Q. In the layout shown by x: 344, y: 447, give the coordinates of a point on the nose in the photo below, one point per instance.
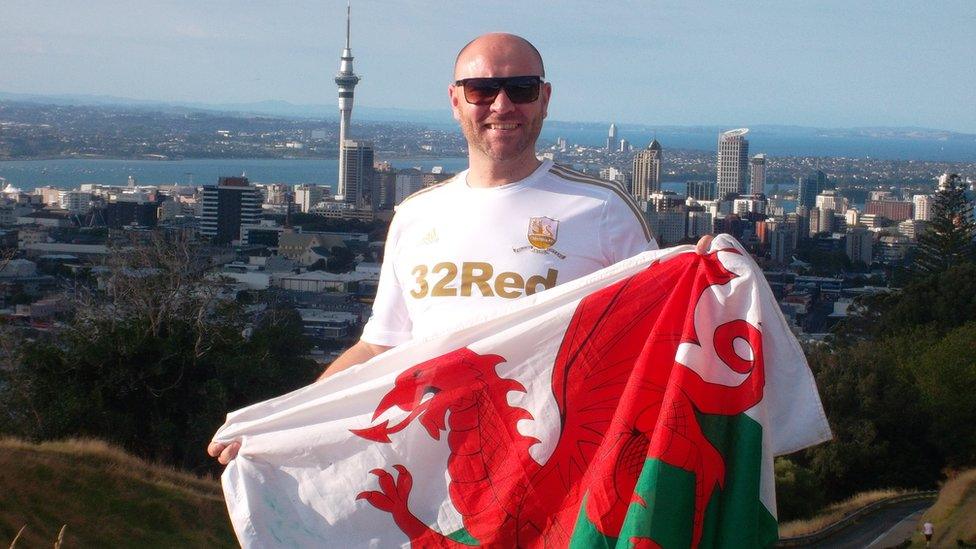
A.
x: 502, y: 103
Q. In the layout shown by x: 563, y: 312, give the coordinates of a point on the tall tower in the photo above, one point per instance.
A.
x: 757, y: 174
x: 647, y: 171
x: 346, y: 80
x: 733, y: 163
x: 612, y: 138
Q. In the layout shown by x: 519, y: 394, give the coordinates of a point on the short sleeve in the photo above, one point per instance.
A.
x: 390, y: 324
x: 626, y: 231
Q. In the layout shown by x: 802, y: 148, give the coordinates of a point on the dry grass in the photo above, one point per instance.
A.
x: 124, y: 464
x: 954, y: 512
x: 86, y: 493
x: 834, y: 513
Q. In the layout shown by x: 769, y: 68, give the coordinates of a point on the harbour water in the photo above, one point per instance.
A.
x: 70, y: 173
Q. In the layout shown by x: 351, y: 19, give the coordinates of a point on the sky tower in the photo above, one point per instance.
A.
x: 346, y: 80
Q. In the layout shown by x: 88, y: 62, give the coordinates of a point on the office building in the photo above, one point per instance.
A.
x: 757, y: 174
x: 308, y: 195
x: 647, y: 171
x: 733, y: 163
x: 831, y: 200
x: 859, y: 245
x: 700, y: 190
x: 895, y: 210
x: 408, y: 181
x: 611, y: 145
x: 810, y: 186
x: 357, y: 174
x: 923, y: 207
x: 227, y: 206
x: 781, y: 238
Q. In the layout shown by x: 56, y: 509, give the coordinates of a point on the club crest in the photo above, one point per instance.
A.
x: 542, y: 232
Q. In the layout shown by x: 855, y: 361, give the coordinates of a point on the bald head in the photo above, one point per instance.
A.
x: 497, y: 48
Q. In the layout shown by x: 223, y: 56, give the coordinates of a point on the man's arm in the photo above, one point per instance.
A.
x: 357, y: 354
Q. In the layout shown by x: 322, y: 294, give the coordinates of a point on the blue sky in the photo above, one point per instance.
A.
x: 829, y: 63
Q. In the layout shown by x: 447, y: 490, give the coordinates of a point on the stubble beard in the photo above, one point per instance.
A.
x: 477, y: 136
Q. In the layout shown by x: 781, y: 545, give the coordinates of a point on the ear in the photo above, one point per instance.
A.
x: 455, y: 94
x: 544, y: 95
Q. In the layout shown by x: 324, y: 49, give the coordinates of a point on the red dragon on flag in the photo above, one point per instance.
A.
x: 623, y: 398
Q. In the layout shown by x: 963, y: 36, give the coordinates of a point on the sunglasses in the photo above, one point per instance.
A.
x: 483, y: 91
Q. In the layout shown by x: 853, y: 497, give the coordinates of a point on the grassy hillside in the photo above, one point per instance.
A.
x: 953, y: 514
x: 107, y: 498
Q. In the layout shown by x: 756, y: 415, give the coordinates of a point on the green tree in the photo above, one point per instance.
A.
x: 945, y: 374
x: 154, y: 362
x: 881, y: 429
x: 948, y: 238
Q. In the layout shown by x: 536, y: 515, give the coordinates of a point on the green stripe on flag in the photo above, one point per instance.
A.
x: 465, y: 537
x: 735, y: 517
x: 585, y: 535
x: 669, y: 506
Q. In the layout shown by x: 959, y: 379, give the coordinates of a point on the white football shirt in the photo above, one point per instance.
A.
x: 455, y: 252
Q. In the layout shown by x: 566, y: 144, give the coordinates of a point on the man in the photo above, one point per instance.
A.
x: 507, y: 227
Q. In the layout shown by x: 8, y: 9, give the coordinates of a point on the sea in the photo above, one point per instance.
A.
x: 774, y: 141
x: 70, y: 173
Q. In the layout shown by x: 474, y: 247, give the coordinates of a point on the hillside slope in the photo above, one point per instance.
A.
x: 953, y: 514
x: 107, y: 498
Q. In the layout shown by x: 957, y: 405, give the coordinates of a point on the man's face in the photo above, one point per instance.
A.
x: 502, y: 131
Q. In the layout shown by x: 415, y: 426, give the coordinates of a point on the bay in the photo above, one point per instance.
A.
x: 70, y: 173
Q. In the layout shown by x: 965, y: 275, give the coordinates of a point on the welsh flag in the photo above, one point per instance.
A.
x: 640, y: 406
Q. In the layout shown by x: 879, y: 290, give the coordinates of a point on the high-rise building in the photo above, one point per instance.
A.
x: 616, y: 176
x: 700, y: 190
x: 647, y: 171
x: 227, y: 206
x: 733, y: 162
x: 859, y: 245
x: 669, y: 227
x: 346, y: 80
x: 946, y: 180
x: 408, y: 181
x: 782, y: 242
x: 308, y: 195
x: 357, y: 174
x: 895, y: 210
x: 612, y: 138
x: 830, y: 199
x: 757, y: 174
x: 810, y: 186
x: 923, y: 207
x: 699, y: 222
x: 384, y: 186
x: 749, y: 204
x: 664, y: 201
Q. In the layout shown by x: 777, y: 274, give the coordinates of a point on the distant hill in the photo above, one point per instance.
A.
x: 106, y: 497
x: 282, y: 109
x: 442, y: 117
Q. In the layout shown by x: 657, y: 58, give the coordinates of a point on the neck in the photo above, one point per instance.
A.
x: 487, y: 172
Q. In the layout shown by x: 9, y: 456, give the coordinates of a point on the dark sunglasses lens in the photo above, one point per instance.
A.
x: 481, y: 91
x: 522, y: 90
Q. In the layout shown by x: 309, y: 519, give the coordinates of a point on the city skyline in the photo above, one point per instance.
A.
x: 826, y: 65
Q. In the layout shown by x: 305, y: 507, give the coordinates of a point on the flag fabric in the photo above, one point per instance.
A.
x: 640, y: 406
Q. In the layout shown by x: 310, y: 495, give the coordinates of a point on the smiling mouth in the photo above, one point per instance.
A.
x: 502, y: 126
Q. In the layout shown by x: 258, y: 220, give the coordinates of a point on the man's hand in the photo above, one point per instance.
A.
x: 701, y: 248
x: 224, y: 452
x: 358, y: 353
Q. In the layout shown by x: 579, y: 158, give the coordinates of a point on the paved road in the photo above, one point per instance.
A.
x: 884, y: 528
